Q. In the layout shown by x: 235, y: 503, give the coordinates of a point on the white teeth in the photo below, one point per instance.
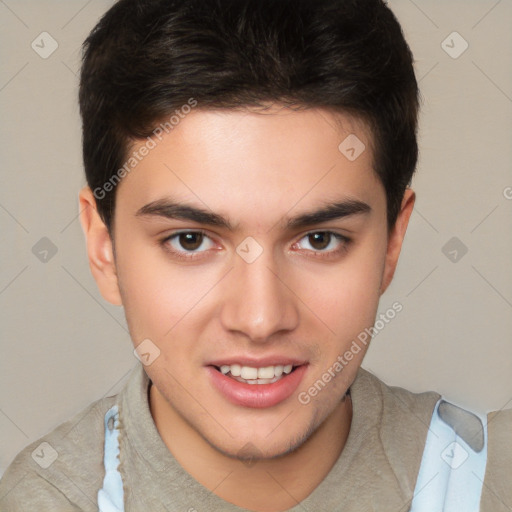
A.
x: 235, y: 370
x: 266, y: 373
x: 263, y: 375
x: 249, y: 373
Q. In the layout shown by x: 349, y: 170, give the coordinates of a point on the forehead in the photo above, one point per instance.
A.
x: 255, y: 162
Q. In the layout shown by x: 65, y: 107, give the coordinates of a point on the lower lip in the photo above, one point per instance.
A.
x: 258, y: 396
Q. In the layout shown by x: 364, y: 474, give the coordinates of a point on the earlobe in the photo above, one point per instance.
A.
x: 99, y: 248
x: 396, y: 238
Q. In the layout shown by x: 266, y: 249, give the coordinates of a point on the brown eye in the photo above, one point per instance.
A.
x: 191, y: 241
x: 325, y: 244
x: 320, y: 240
x: 189, y: 245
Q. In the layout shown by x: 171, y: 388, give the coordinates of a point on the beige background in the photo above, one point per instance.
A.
x: 62, y: 346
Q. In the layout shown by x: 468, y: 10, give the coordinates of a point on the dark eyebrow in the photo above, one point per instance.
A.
x: 329, y: 212
x: 173, y: 210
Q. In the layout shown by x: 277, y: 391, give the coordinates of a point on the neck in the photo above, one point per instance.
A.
x: 270, y: 485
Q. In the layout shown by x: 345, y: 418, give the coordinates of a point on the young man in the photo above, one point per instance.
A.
x: 248, y: 166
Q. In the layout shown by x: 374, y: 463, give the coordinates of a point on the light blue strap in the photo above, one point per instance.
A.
x: 111, y: 495
x: 451, y: 473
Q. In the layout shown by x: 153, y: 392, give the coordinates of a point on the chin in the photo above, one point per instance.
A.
x: 251, y: 448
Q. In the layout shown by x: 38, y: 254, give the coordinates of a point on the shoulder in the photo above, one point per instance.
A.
x: 63, y: 470
x: 452, y: 458
x: 467, y: 462
x: 497, y: 491
x: 398, y: 404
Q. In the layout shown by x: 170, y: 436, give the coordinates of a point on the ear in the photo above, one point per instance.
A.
x: 396, y: 237
x: 99, y: 248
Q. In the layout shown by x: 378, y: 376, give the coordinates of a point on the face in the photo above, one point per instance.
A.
x: 251, y: 252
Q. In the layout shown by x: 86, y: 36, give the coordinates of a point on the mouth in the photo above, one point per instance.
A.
x: 252, y: 375
x: 256, y: 386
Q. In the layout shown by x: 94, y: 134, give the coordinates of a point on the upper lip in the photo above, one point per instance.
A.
x: 260, y: 362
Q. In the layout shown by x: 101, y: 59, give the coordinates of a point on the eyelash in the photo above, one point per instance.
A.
x: 185, y: 255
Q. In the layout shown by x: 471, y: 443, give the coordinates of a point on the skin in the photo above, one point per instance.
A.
x: 299, y: 298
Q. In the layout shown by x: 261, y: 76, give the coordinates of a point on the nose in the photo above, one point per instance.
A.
x: 257, y: 302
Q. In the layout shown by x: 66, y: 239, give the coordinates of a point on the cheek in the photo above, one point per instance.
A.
x: 158, y: 296
x: 346, y: 296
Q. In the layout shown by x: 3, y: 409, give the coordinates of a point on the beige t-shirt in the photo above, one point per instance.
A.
x: 376, y: 471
